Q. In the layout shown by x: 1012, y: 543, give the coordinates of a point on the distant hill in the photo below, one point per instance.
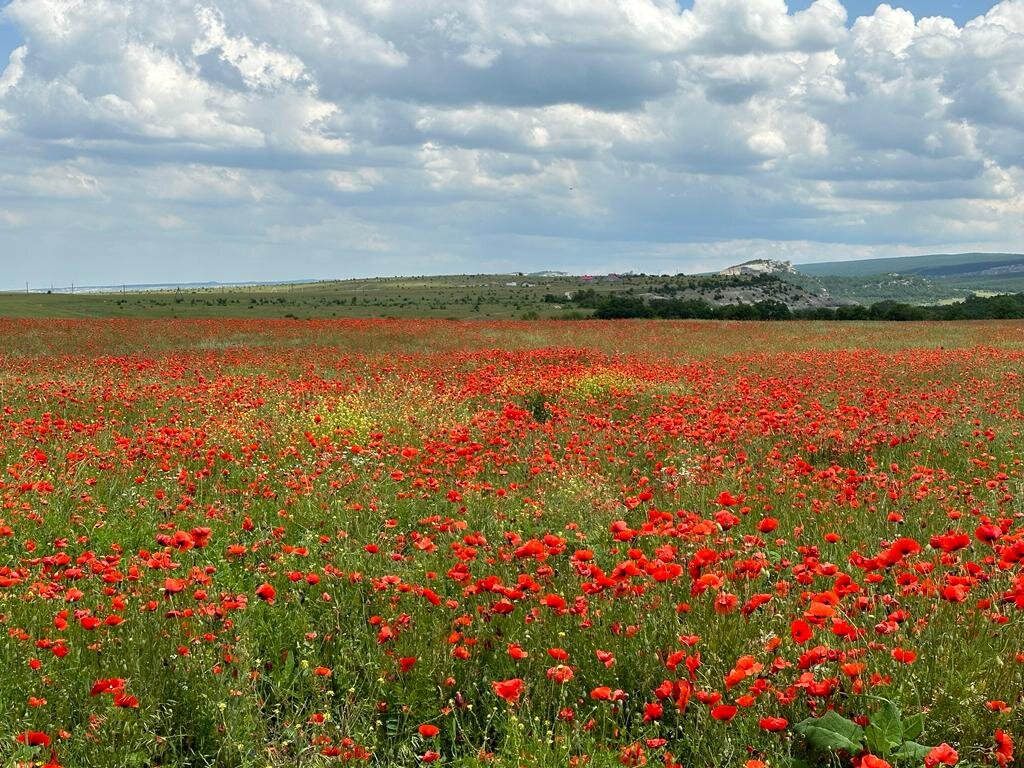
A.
x: 756, y: 288
x: 934, y: 265
x: 760, y: 267
x: 929, y: 279
x: 142, y: 287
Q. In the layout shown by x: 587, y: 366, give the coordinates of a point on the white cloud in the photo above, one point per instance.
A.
x: 15, y: 68
x: 889, y: 32
x: 443, y: 127
x: 259, y: 65
x: 169, y: 221
x: 361, y: 180
x: 343, y: 233
x: 67, y: 181
x: 204, y: 184
x: 11, y: 218
x: 728, y: 26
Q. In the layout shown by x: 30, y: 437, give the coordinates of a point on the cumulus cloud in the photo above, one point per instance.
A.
x: 437, y: 131
x: 15, y: 68
x: 258, y: 65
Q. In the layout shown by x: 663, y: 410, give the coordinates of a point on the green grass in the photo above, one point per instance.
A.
x: 482, y: 296
x: 155, y: 426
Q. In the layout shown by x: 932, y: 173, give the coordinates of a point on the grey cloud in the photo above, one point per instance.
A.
x: 518, y: 78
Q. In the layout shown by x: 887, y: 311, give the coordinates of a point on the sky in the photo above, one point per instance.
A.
x: 167, y: 141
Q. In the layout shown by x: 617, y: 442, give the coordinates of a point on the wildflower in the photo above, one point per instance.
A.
x: 509, y: 690
x: 724, y: 712
x: 941, y: 755
x: 1004, y: 748
x: 34, y: 739
x: 266, y: 592
x: 772, y: 724
x: 560, y: 674
x: 800, y: 631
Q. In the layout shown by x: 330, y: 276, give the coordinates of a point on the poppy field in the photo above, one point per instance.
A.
x: 371, y: 542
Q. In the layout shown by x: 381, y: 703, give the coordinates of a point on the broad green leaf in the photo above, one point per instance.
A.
x: 831, y: 731
x: 911, y: 750
x: 885, y: 731
x: 913, y: 726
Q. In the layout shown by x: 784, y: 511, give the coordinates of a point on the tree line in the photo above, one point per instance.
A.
x: 619, y: 306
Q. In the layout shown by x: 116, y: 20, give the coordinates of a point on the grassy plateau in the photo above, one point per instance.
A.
x: 462, y: 296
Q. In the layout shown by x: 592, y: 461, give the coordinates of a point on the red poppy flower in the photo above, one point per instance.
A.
x: 987, y: 533
x: 107, y: 685
x: 633, y: 756
x: 509, y: 690
x: 941, y: 755
x: 125, y: 700
x: 560, y: 674
x: 428, y: 730
x: 950, y: 542
x: 904, y: 656
x: 724, y: 712
x: 34, y: 739
x: 1004, y: 748
x: 773, y: 724
x: 800, y: 631
x: 266, y: 592
x: 516, y: 652
x: 174, y: 586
